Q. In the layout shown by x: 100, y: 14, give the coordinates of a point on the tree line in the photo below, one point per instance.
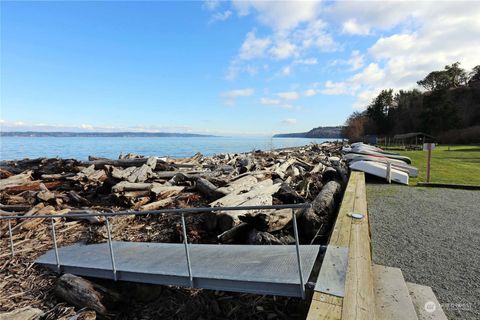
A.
x: 448, y: 108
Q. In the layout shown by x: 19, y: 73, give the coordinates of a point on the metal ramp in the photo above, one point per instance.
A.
x: 259, y: 269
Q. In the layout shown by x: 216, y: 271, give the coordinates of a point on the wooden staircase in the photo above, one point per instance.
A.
x: 370, y: 291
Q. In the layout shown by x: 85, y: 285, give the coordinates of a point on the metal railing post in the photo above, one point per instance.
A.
x: 297, y: 246
x: 54, y: 236
x: 11, y: 238
x: 187, y: 253
x: 112, y: 257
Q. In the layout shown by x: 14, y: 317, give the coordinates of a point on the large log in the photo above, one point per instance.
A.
x: 320, y: 215
x: 124, y: 163
x: 261, y: 194
x: 130, y: 186
x: 270, y: 221
x: 281, y: 170
x: 85, y: 294
x: 235, y: 234
x: 17, y: 180
x: 157, y: 204
x: 262, y: 237
x: 208, y: 189
x: 33, y: 186
x: 236, y: 186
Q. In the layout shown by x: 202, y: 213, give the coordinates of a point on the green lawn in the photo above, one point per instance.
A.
x: 460, y: 164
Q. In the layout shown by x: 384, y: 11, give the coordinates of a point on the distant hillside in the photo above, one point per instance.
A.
x: 320, y: 132
x: 99, y: 134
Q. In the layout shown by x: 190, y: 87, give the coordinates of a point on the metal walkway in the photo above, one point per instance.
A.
x: 260, y: 269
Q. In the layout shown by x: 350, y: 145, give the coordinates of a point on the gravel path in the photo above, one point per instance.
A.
x: 433, y: 235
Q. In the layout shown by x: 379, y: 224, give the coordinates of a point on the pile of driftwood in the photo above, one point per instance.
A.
x: 313, y: 173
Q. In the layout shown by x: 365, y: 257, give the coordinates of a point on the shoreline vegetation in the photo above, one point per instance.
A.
x: 448, y: 108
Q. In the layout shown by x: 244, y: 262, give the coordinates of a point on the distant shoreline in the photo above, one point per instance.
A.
x: 55, y: 134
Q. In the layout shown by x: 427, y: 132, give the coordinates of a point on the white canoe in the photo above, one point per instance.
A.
x: 361, y: 145
x: 380, y: 170
x: 397, y: 164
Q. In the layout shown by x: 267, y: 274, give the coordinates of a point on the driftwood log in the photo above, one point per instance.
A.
x: 85, y: 294
x: 317, y: 218
x: 208, y: 189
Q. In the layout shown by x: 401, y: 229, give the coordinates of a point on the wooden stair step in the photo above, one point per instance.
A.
x: 392, y: 298
x: 421, y: 295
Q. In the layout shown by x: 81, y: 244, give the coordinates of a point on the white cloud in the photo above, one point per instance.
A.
x: 392, y: 45
x: 270, y: 101
x: 221, y: 16
x: 315, y: 35
x: 290, y: 121
x: 230, y: 96
x: 211, y: 4
x: 296, y: 31
x: 372, y: 74
x: 283, y: 49
x: 310, y: 92
x: 309, y: 61
x: 364, y: 98
x: 288, y: 95
x: 356, y: 60
x: 239, y: 93
x: 334, y: 88
x: 352, y: 27
x: 279, y: 15
x: 417, y: 37
x: 253, y: 47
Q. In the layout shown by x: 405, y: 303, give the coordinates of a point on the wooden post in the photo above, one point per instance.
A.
x: 428, y: 161
x: 428, y: 147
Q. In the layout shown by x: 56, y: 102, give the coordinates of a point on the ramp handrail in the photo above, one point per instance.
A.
x: 178, y: 211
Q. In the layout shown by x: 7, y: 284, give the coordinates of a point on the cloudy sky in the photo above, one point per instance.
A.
x: 229, y: 67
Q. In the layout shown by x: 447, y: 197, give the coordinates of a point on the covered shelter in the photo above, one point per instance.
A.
x: 413, y: 138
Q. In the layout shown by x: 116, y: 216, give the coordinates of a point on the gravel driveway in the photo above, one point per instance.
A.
x: 433, y: 235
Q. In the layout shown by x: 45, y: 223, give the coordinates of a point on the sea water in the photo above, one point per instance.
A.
x: 110, y: 147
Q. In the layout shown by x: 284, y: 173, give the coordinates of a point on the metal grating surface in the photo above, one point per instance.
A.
x: 241, y: 268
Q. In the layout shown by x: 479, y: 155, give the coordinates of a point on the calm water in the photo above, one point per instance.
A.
x: 80, y: 147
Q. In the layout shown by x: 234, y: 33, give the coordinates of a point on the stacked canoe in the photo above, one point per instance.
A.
x: 377, y: 162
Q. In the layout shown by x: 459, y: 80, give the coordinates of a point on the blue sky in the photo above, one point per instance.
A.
x: 241, y: 67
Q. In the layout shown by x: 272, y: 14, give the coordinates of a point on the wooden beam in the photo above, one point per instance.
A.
x: 359, y: 300
x: 341, y: 231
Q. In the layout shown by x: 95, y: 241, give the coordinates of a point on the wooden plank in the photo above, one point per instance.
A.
x: 341, y: 231
x: 359, y: 301
x: 392, y: 298
x: 325, y: 306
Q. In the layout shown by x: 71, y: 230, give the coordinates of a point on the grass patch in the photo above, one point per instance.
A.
x: 455, y: 164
